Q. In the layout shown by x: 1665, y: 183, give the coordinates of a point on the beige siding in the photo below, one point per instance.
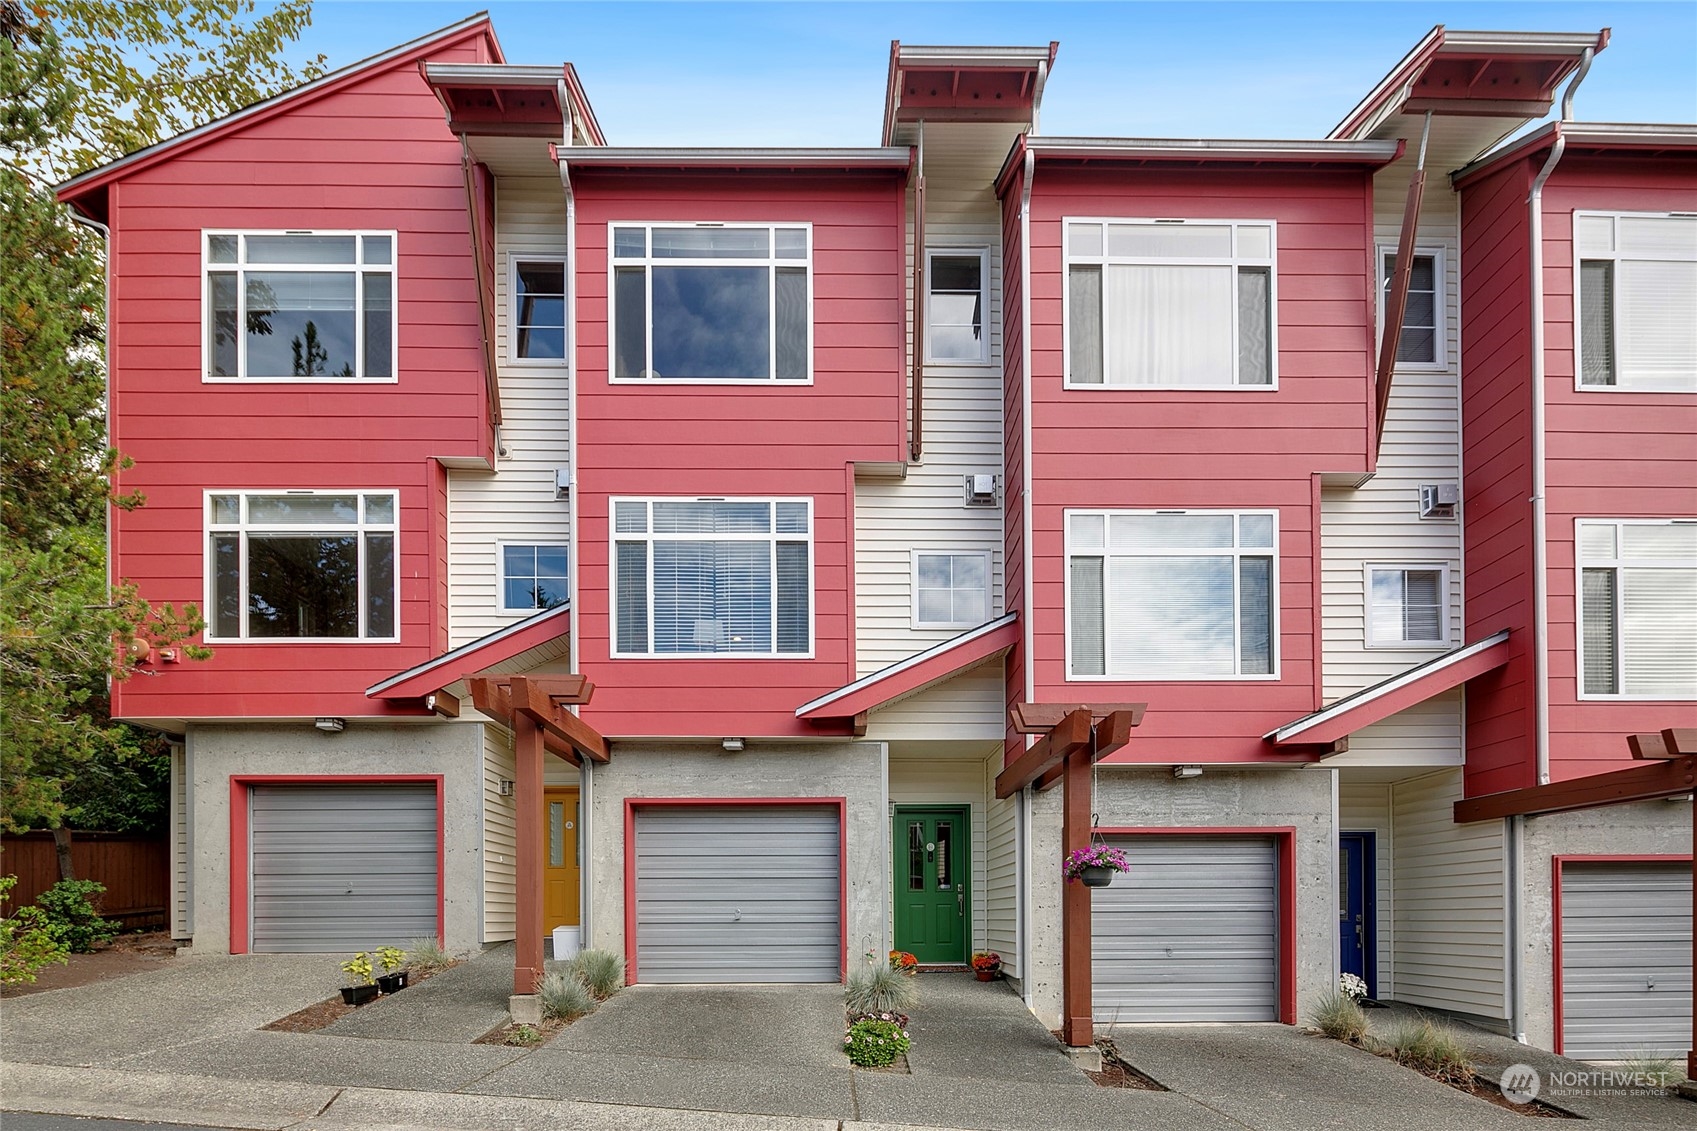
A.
x: 1426, y: 734
x: 1380, y: 522
x: 500, y: 837
x: 957, y: 781
x: 967, y: 707
x: 1450, y: 905
x: 516, y: 502
x: 1001, y: 866
x: 1366, y: 807
x: 182, y: 849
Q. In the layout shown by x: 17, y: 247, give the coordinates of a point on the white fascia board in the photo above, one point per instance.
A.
x: 1254, y: 150
x: 1519, y: 42
x: 890, y: 157
x: 494, y: 74
x: 918, y: 57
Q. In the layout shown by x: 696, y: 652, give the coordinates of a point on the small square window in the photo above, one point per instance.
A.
x: 533, y: 577
x: 950, y: 590
x: 1407, y: 606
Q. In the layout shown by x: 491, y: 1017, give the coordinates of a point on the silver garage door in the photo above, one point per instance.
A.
x: 738, y: 894
x: 1189, y: 934
x: 1625, y: 959
x: 342, y: 867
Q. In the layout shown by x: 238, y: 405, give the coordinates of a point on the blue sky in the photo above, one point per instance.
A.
x: 813, y: 74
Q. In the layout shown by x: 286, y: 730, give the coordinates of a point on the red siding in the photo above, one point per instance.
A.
x: 1013, y: 445
x: 372, y: 154
x: 720, y: 439
x: 1228, y: 450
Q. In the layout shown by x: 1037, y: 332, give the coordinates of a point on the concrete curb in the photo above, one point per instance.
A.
x: 265, y: 1105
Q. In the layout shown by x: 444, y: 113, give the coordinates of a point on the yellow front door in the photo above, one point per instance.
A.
x: 560, y: 867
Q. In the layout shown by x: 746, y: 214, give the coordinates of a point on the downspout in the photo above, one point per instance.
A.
x: 586, y: 822
x: 1540, y: 513
x: 916, y: 446
x: 1516, y: 909
x: 1027, y: 621
x: 485, y: 327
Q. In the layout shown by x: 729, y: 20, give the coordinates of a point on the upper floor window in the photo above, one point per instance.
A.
x: 1638, y: 608
x: 539, y: 310
x: 533, y: 577
x: 711, y: 302
x: 300, y: 306
x: 1636, y: 290
x: 712, y: 576
x: 1175, y: 304
x: 1422, y: 339
x: 302, y: 565
x: 950, y: 590
x: 1407, y: 605
x: 1171, y: 594
x: 955, y: 306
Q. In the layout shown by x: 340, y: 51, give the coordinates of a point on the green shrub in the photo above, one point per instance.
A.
x: 427, y: 956
x: 601, y: 970
x: 1339, y: 1017
x: 525, y: 1036
x: 879, y: 988
x: 1437, y: 1051
x: 73, y: 916
x: 874, y: 1044
x: 565, y: 996
x: 26, y: 943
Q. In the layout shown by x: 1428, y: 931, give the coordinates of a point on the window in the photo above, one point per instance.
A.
x: 950, y: 590
x: 1171, y: 594
x: 955, y: 306
x: 1422, y: 338
x: 539, y: 310
x: 300, y: 306
x: 711, y: 302
x: 1637, y: 287
x: 1176, y: 304
x: 712, y: 576
x: 1407, y: 605
x: 1638, y: 608
x: 302, y: 565
x: 533, y: 577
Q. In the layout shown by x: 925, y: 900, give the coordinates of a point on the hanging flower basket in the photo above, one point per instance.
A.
x: 1094, y: 865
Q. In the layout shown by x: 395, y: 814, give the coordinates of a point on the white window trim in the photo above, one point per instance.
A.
x: 1275, y: 617
x: 615, y: 536
x: 1068, y: 259
x: 209, y: 528
x: 501, y: 572
x: 932, y: 251
x: 913, y: 590
x: 207, y: 377
x: 1370, y: 641
x: 514, y: 258
x: 1579, y: 259
x: 1440, y: 301
x: 1582, y: 563
x: 648, y: 262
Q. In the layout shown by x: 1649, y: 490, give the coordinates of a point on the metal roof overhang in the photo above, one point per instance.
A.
x: 964, y: 84
x: 1370, y: 154
x: 1645, y: 139
x: 505, y: 100
x: 692, y: 158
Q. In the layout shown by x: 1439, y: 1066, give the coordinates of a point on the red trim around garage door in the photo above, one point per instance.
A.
x: 240, y: 935
x: 1284, y: 864
x: 1556, y: 863
x: 632, y: 804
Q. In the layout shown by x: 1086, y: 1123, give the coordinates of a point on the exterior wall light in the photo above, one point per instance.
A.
x: 331, y: 726
x: 732, y: 745
x: 1182, y: 772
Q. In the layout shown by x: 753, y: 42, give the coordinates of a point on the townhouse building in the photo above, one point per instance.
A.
x: 755, y: 560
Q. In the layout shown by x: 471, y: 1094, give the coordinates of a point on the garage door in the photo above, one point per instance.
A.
x: 342, y: 867
x: 1189, y: 934
x: 1625, y: 959
x: 738, y: 894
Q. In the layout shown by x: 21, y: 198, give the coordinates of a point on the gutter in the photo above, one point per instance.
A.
x: 586, y: 782
x: 1028, y: 623
x: 921, y: 300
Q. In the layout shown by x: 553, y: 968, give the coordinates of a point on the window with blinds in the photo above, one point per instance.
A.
x: 712, y: 576
x: 1175, y: 304
x: 1638, y: 608
x: 1407, y: 605
x: 1171, y: 594
x: 1636, y: 281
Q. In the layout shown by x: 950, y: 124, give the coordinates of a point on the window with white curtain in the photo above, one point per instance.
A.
x: 950, y: 590
x: 1177, y: 304
x: 1171, y: 595
x: 1636, y: 289
x: 1407, y: 605
x: 1638, y: 608
x: 712, y: 577
x: 1421, y: 342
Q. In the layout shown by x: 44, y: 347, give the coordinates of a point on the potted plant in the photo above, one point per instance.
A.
x: 364, y: 989
x: 1095, y: 865
x: 392, y: 979
x: 986, y: 964
x: 903, y: 961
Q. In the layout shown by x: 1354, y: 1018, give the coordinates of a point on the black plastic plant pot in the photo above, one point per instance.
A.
x: 1096, y: 876
x: 389, y: 983
x: 358, y: 995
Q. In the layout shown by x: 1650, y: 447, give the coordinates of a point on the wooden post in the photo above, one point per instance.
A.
x: 1075, y: 904
x: 527, y: 786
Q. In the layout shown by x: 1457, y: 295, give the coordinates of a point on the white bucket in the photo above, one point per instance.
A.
x: 567, y: 941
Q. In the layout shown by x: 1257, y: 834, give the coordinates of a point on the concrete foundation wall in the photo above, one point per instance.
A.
x: 852, y: 770
x: 452, y: 749
x: 1646, y: 828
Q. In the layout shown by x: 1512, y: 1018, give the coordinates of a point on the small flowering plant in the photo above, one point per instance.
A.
x: 903, y: 961
x: 875, y: 1044
x: 894, y: 1017
x: 1353, y: 987
x: 986, y: 962
x: 1095, y: 856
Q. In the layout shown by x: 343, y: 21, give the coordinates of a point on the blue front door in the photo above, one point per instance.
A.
x: 1356, y: 907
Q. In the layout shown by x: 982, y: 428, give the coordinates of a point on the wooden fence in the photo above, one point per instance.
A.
x: 135, y: 870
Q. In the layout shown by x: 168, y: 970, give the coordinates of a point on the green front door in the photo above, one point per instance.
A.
x: 932, y: 865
